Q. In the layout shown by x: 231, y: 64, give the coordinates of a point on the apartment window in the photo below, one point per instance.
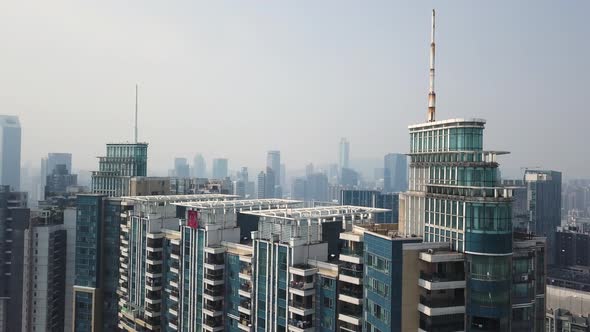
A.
x: 328, y: 303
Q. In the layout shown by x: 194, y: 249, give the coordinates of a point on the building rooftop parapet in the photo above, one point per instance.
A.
x: 448, y: 123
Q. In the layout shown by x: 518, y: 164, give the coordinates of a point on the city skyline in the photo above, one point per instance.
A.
x: 370, y: 69
x: 183, y: 228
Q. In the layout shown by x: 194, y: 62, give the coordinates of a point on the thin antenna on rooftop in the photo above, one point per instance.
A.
x: 431, y: 94
x: 136, y: 113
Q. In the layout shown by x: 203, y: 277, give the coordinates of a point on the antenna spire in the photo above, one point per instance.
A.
x: 136, y: 88
x: 431, y: 94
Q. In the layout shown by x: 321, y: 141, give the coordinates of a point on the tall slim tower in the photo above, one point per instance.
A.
x: 343, y: 158
x: 10, y: 136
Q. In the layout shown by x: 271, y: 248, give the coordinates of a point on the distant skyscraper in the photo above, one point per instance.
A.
x: 261, y: 185
x: 266, y: 184
x: 243, y: 175
x: 395, y: 172
x: 10, y: 151
x: 349, y: 177
x: 59, y: 180
x: 344, y: 155
x: 309, y: 169
x: 181, y: 168
x: 374, y: 199
x: 544, y: 205
x: 199, y: 166
x: 273, y: 162
x: 283, y: 181
x: 123, y: 161
x: 316, y: 187
x: 220, y: 168
x: 54, y: 159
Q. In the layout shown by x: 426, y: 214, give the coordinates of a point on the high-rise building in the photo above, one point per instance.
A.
x: 455, y: 196
x: 97, y: 244
x: 220, y: 168
x: 10, y: 151
x: 316, y: 187
x: 572, y: 247
x: 44, y: 273
x: 273, y: 162
x: 568, y: 300
x: 122, y: 162
x: 59, y: 180
x: 143, y: 262
x: 54, y: 159
x: 544, y: 205
x: 181, y: 168
x: 309, y: 169
x: 241, y: 184
x: 395, y: 175
x: 199, y: 166
x: 344, y: 154
x: 349, y: 177
x: 261, y: 185
x: 528, y: 289
x: 14, y: 220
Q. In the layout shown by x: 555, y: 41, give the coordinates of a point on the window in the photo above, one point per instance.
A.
x: 328, y: 303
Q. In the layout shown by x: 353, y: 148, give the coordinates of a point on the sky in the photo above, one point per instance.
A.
x: 237, y: 78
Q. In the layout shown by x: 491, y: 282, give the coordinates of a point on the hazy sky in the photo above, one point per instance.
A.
x: 237, y: 78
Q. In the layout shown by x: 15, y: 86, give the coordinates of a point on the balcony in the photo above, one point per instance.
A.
x: 440, y: 281
x: 154, y: 258
x: 153, y: 284
x: 244, y: 323
x: 246, y: 272
x: 213, y: 309
x: 303, y: 270
x: 352, y: 314
x: 173, y: 309
x: 174, y: 295
x: 347, y: 327
x: 302, y: 306
x: 173, y: 324
x: 441, y: 306
x: 214, y: 261
x: 154, y: 271
x: 245, y: 307
x: 153, y: 297
x: 351, y: 294
x: 301, y: 324
x: 352, y: 254
x: 213, y: 324
x: 245, y: 289
x: 213, y: 293
x: 214, y: 277
x: 153, y: 310
x: 351, y: 273
x: 174, y: 267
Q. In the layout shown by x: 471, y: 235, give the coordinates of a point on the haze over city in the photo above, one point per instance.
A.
x: 235, y: 79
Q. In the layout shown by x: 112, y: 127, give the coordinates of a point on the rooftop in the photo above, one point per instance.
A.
x: 237, y: 204
x: 179, y: 198
x: 322, y: 212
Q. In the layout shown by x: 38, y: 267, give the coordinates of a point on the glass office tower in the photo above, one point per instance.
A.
x: 454, y: 197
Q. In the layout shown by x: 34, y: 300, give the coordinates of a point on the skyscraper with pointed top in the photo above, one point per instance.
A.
x: 455, y: 196
x: 122, y: 162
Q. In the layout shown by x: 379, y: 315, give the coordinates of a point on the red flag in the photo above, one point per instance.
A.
x: 193, y: 219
